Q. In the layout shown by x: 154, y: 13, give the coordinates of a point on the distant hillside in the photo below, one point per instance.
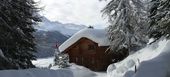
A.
x: 46, y: 41
x: 66, y: 29
x: 48, y: 33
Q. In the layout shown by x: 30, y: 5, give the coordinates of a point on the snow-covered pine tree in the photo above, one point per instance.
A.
x: 56, y: 55
x: 16, y: 27
x: 61, y: 60
x: 159, y: 19
x: 128, y: 24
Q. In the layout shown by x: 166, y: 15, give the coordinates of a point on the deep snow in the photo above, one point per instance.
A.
x: 43, y: 62
x: 36, y: 73
x: 156, y: 67
x: 151, y: 61
x: 43, y: 71
x: 76, y: 70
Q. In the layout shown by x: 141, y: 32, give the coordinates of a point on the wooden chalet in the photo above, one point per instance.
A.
x: 88, y: 48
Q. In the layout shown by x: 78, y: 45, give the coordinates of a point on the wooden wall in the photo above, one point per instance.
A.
x: 87, y: 53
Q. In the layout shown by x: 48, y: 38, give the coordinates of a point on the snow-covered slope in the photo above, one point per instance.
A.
x: 67, y: 29
x: 151, y: 61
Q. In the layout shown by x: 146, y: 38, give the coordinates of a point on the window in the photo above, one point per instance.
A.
x: 91, y: 47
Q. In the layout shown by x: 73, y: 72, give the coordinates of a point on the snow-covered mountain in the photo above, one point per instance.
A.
x: 66, y: 29
x: 48, y: 33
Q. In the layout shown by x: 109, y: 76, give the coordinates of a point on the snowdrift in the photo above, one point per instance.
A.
x: 151, y: 61
x: 76, y: 70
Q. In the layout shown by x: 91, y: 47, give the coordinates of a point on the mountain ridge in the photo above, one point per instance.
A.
x: 67, y: 29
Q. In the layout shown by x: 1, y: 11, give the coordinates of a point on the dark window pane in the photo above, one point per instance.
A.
x: 91, y: 47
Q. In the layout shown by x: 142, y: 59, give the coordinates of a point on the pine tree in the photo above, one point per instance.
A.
x: 128, y: 24
x: 16, y: 27
x: 61, y: 60
x: 159, y: 19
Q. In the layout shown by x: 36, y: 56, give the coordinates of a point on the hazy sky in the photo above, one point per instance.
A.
x: 87, y: 12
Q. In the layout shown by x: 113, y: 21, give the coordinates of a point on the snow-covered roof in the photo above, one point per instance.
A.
x: 97, y: 35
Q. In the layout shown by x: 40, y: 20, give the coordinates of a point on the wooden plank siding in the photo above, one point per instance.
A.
x: 87, y: 53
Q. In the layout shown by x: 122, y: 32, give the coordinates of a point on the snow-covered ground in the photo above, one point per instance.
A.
x: 43, y: 62
x: 151, y: 61
x: 44, y: 71
x: 77, y: 71
x: 36, y: 73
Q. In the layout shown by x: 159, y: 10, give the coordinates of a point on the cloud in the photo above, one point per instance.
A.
x: 87, y: 12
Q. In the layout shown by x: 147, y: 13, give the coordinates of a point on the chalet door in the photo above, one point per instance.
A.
x: 79, y: 60
x: 89, y: 61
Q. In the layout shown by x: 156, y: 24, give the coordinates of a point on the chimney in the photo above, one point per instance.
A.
x: 91, y: 27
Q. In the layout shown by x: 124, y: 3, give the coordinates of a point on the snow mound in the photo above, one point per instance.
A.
x: 80, y: 71
x: 43, y: 62
x: 151, y: 61
x: 74, y: 70
x: 97, y: 35
x: 156, y: 67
